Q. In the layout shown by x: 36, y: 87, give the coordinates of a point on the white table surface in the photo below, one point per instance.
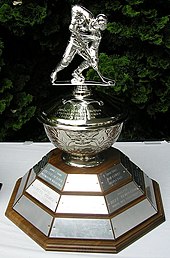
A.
x: 17, y: 158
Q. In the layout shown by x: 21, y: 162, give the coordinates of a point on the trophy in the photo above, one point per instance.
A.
x: 85, y: 195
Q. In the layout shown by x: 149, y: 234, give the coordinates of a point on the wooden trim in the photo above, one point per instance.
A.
x: 80, y: 245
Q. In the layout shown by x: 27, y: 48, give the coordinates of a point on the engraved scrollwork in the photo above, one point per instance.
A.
x: 83, y: 142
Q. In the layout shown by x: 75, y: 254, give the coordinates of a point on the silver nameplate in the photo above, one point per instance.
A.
x: 53, y: 176
x: 82, y: 204
x: 31, y: 178
x: 138, y: 176
x: 134, y: 170
x: 132, y: 217
x: 82, y: 183
x: 113, y: 176
x: 34, y: 214
x: 82, y: 228
x: 37, y: 168
x: 150, y: 190
x: 122, y: 196
x: 21, y: 187
x: 44, y: 194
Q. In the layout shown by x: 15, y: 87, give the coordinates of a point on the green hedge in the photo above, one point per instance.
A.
x: 135, y: 51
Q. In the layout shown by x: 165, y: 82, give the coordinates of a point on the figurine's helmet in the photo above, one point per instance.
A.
x: 102, y: 21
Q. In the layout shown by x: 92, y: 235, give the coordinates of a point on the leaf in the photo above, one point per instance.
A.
x: 129, y: 11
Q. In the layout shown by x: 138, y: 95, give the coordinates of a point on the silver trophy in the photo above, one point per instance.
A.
x: 79, y: 124
x: 85, y: 195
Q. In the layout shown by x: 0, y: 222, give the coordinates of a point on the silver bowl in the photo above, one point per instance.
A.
x: 83, y: 126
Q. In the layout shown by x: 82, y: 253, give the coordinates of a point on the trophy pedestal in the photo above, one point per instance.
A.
x: 99, y: 209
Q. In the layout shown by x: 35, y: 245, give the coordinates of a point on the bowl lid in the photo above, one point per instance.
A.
x: 83, y: 110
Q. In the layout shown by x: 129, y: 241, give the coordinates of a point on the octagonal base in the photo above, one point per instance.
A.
x: 100, y: 209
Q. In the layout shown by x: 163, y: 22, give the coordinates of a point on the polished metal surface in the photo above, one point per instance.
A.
x: 53, y: 176
x: 80, y: 204
x: 132, y: 217
x: 85, y: 39
x: 21, y: 187
x: 122, y: 196
x: 113, y: 176
x: 83, y: 110
x: 83, y: 126
x: 31, y: 178
x: 34, y: 214
x: 44, y: 194
x: 17, y: 2
x: 82, y: 228
x: 136, y: 173
x: 82, y: 183
x: 37, y: 168
x: 81, y: 147
x: 150, y: 190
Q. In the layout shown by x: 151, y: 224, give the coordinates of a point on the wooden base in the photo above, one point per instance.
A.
x: 77, y: 244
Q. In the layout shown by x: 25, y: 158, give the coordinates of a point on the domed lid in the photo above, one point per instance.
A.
x: 84, y: 110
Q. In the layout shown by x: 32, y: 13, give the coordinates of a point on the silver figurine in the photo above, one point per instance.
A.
x: 84, y: 40
x: 83, y: 124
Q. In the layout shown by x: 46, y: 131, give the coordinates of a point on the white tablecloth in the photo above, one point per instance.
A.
x: 17, y: 158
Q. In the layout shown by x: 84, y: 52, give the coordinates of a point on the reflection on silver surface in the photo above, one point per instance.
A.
x: 44, y: 194
x: 82, y: 204
x: 132, y: 217
x: 31, y: 178
x: 113, y: 176
x: 137, y: 175
x: 123, y: 196
x: 82, y: 182
x: 150, y: 190
x: 53, y: 176
x: 83, y: 143
x: 82, y: 228
x: 34, y: 214
x: 134, y: 170
x: 21, y: 187
x: 17, y: 2
x: 37, y: 168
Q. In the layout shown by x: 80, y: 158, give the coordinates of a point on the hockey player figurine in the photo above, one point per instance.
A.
x: 84, y: 41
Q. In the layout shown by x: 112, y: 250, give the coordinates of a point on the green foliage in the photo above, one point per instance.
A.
x: 27, y: 35
x: 1, y: 50
x: 17, y: 18
x: 15, y: 108
x: 138, y: 57
x: 135, y: 51
x: 15, y: 105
